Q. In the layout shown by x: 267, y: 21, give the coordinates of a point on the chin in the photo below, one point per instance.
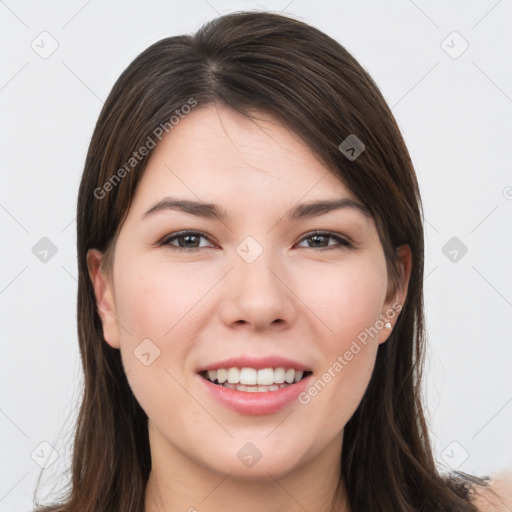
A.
x: 248, y: 463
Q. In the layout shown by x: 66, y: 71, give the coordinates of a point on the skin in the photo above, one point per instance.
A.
x: 204, y: 306
x: 498, y: 496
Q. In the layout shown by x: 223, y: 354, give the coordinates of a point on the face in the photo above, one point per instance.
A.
x: 258, y: 289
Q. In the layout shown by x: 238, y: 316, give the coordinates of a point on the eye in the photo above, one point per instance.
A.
x: 187, y: 241
x: 317, y: 237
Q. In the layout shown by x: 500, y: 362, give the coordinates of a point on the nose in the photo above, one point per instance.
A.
x: 257, y: 294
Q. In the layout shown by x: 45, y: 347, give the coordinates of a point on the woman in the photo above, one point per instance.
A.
x: 275, y: 365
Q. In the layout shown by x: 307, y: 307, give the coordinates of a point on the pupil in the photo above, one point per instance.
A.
x: 316, y: 237
x: 188, y: 237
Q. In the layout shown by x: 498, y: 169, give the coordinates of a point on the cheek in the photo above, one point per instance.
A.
x: 157, y: 302
x: 348, y: 299
x: 349, y: 304
x: 157, y: 308
x: 159, y: 314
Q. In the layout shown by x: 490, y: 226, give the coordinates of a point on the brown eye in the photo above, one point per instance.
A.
x: 320, y: 240
x: 187, y: 241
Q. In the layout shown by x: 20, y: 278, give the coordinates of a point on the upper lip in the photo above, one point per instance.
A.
x: 258, y: 363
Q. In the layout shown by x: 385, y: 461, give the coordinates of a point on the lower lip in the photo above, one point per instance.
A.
x: 256, y: 403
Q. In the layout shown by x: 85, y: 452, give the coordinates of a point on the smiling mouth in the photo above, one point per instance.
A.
x: 250, y: 380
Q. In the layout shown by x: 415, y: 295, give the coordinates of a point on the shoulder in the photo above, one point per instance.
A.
x: 497, y: 496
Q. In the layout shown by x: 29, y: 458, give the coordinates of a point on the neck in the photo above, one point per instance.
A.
x: 177, y: 483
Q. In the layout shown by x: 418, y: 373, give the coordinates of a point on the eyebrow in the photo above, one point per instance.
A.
x: 212, y: 211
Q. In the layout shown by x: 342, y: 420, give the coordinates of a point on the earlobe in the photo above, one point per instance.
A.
x: 104, y: 293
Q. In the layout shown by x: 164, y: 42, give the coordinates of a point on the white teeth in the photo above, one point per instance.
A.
x: 250, y: 389
x: 265, y: 377
x: 254, y: 389
x: 290, y: 376
x: 233, y: 375
x: 250, y: 379
x: 249, y: 376
x: 279, y: 374
x: 222, y: 375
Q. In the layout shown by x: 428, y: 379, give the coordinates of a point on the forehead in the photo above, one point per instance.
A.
x: 217, y: 154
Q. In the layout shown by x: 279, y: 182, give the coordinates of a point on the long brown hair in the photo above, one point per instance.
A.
x: 258, y: 61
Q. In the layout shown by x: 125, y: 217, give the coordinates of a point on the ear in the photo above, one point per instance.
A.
x: 395, y: 297
x: 104, y: 292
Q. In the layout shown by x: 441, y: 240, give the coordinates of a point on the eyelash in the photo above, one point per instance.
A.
x: 342, y: 242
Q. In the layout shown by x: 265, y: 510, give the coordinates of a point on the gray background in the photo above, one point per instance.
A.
x: 453, y: 106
